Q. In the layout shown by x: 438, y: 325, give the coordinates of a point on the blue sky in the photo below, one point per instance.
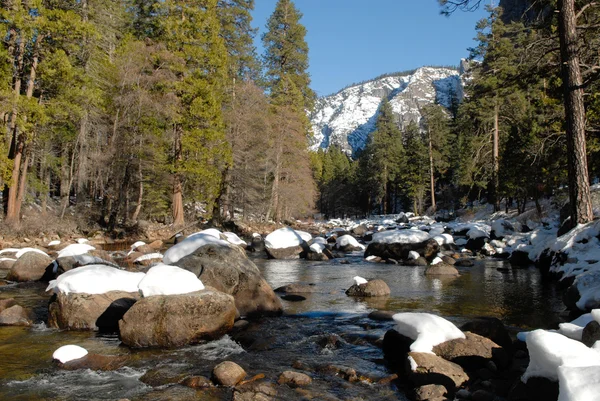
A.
x: 355, y: 40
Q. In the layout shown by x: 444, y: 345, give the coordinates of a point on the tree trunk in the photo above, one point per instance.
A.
x: 579, y: 188
x: 496, y: 159
x: 431, y: 175
x: 177, y: 203
x: 138, y: 206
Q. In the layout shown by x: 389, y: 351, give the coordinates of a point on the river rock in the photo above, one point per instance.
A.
x: 464, y: 262
x: 88, y: 311
x: 476, y: 244
x: 177, y: 320
x: 290, y: 253
x: 396, y: 346
x: 420, y: 261
x: 431, y: 392
x: 16, y: 315
x: 228, y: 269
x: 373, y: 288
x: 360, y: 230
x: 397, y: 251
x: 441, y: 269
x: 31, y: 266
x: 296, y: 289
x: 294, y: 379
x: 472, y: 352
x: 95, y: 362
x: 431, y: 369
x: 6, y: 303
x: 7, y: 263
x: 228, y: 373
x: 520, y: 258
x: 591, y: 333
x: 492, y: 328
x: 197, y: 382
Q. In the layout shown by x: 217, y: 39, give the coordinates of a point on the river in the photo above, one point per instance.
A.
x: 328, y: 328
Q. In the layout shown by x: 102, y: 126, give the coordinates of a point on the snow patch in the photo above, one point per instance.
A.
x: 69, y: 352
x: 169, y: 280
x: 426, y: 329
x: 189, y: 245
x: 95, y: 279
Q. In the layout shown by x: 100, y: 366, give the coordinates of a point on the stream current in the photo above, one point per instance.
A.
x: 328, y: 328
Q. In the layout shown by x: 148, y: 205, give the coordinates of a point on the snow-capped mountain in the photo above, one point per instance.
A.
x: 348, y: 117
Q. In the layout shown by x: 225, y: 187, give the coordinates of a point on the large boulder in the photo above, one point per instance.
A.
x: 287, y: 243
x: 492, y: 328
x: 31, y: 266
x: 80, y: 311
x: 373, y: 288
x: 424, y: 368
x: 16, y: 315
x: 228, y: 269
x: 65, y: 263
x: 177, y: 320
x: 441, y: 269
x: 396, y: 250
x: 347, y: 243
x: 472, y: 352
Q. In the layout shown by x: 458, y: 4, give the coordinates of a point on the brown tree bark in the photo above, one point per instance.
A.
x: 579, y: 188
x: 496, y: 158
x: 431, y: 175
x: 177, y: 198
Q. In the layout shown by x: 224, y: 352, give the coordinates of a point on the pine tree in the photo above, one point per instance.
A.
x: 416, y: 168
x: 436, y: 124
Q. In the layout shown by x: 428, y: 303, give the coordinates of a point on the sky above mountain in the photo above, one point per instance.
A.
x: 355, y: 40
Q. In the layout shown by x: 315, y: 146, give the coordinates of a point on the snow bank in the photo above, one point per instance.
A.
x: 74, y: 250
x: 348, y: 240
x: 189, y: 245
x: 588, y: 285
x: 95, y: 279
x: 401, y: 237
x: 578, y: 383
x: 68, y: 353
x: 426, y: 329
x: 548, y: 351
x: 169, y: 280
x: 286, y: 237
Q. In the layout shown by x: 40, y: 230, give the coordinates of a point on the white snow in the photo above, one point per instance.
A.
x: 69, y: 352
x: 574, y: 329
x: 319, y: 240
x: 588, y: 285
x: 548, y: 351
x: 400, y: 236
x: 54, y: 243
x: 9, y: 250
x: 578, y: 383
x: 213, y: 232
x: 413, y: 255
x: 148, y: 256
x: 317, y: 247
x: 372, y: 257
x: 476, y: 232
x: 189, y: 245
x: 74, y: 250
x: 286, y: 237
x: 169, y: 280
x: 95, y: 279
x: 232, y: 238
x: 348, y: 240
x: 358, y: 280
x: 437, y: 260
x: 443, y: 239
x: 23, y: 251
x: 82, y: 240
x: 426, y: 329
x: 137, y: 244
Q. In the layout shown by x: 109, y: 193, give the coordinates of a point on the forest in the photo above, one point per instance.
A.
x: 129, y: 110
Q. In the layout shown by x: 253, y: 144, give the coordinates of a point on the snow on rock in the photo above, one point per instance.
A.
x: 461, y: 242
x: 169, y: 280
x: 436, y: 260
x: 82, y: 240
x: 347, y: 240
x: 232, y: 238
x: 588, y: 285
x: 9, y: 250
x: 426, y: 329
x: 23, y: 251
x: 54, y: 243
x: 317, y: 247
x: 189, y: 245
x: 401, y: 237
x: 574, y: 329
x: 286, y: 237
x: 358, y: 280
x: 477, y: 232
x: 413, y: 255
x: 548, y: 351
x: 68, y: 353
x: 213, y: 232
x: 443, y: 239
x: 319, y: 240
x: 74, y: 250
x: 578, y: 383
x: 502, y: 228
x: 96, y: 279
x: 137, y: 244
x: 148, y: 256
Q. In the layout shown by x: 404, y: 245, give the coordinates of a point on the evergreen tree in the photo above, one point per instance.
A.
x: 436, y: 124
x: 416, y: 167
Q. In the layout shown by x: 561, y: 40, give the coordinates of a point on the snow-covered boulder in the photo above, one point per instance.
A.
x: 347, y: 243
x: 96, y: 279
x: 397, y: 244
x: 190, y: 244
x: 30, y: 266
x: 286, y: 243
x: 169, y: 280
x: 372, y: 288
x: 177, y: 320
x: 226, y: 268
x: 232, y: 238
x: 75, y: 249
x: 68, y: 353
x: 501, y: 228
x: 426, y: 330
x: 578, y: 383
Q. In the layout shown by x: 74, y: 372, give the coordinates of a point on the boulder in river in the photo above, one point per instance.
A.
x: 177, y: 320
x: 373, y: 288
x: 228, y: 269
x: 286, y: 243
x: 31, y: 266
x: 294, y: 379
x: 424, y: 368
x: 472, y: 352
x: 396, y: 244
x: 16, y: 315
x: 80, y: 311
x: 228, y: 373
x: 441, y: 269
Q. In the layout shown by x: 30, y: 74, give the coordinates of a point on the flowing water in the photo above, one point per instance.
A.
x: 328, y: 328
